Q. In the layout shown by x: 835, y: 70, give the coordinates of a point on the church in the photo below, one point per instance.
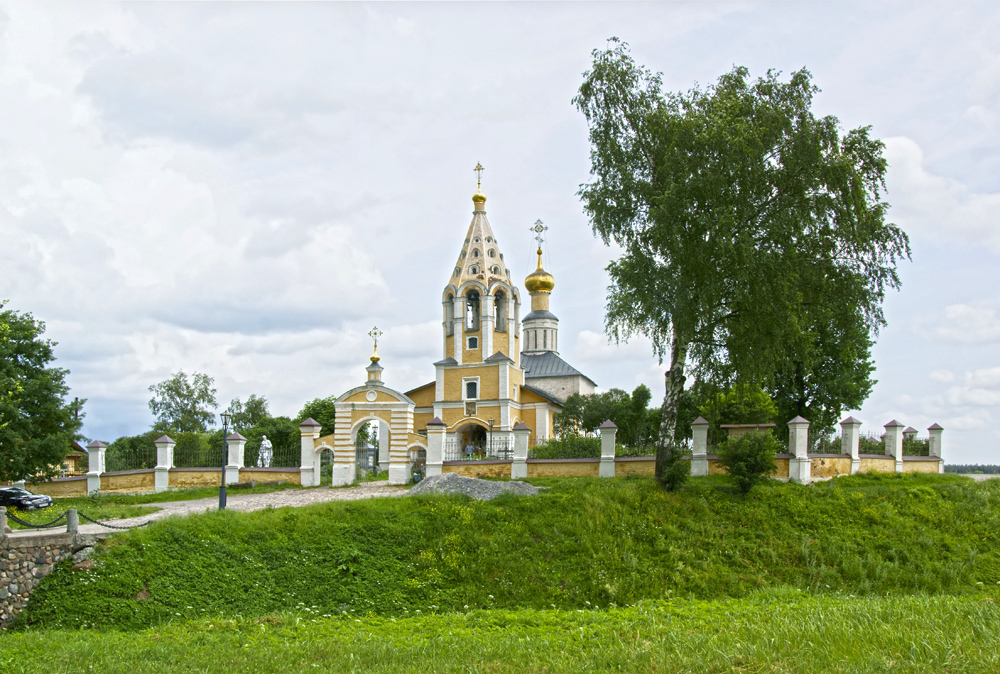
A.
x: 497, y: 371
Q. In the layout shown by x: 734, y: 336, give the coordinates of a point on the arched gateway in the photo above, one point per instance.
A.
x: 392, y: 410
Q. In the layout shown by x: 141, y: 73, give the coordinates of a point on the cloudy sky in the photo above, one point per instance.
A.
x: 245, y: 189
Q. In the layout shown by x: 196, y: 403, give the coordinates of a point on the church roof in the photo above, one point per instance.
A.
x: 543, y: 394
x: 548, y: 364
x: 480, y: 259
x: 540, y: 313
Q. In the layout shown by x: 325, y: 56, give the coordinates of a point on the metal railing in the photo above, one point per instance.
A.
x: 871, y: 443
x: 500, y: 449
x: 127, y: 458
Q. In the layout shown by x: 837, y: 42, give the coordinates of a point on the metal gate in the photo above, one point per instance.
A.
x: 366, y: 463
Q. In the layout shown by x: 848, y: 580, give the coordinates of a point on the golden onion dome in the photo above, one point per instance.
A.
x: 479, y: 197
x: 539, y: 281
x: 374, y: 357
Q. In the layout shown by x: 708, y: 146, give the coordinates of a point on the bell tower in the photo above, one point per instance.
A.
x: 541, y: 327
x: 480, y: 305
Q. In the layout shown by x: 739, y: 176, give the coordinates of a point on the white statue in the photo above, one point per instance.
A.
x: 265, y: 454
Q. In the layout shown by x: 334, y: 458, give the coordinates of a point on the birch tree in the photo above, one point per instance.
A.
x: 734, y: 206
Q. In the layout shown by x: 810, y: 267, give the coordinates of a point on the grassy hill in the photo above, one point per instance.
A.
x: 582, y: 544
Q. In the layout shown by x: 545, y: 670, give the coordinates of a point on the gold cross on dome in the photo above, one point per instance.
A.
x: 375, y: 334
x: 479, y: 175
x: 538, y: 229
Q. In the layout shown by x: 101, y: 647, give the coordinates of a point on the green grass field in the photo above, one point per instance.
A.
x: 779, y: 630
x: 868, y: 573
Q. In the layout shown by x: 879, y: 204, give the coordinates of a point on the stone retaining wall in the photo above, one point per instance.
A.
x: 26, y: 558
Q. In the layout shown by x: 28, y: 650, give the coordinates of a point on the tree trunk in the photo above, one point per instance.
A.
x: 671, y: 405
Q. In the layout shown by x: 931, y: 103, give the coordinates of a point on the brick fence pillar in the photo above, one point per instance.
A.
x: 934, y: 433
x: 436, y: 430
x: 894, y: 443
x: 850, y: 441
x: 519, y: 464
x: 95, y: 461
x: 164, y: 462
x: 608, y: 433
x: 799, y: 466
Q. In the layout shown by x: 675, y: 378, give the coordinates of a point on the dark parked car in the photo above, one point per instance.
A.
x: 15, y: 497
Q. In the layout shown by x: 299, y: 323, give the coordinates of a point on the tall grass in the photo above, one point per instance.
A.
x: 582, y: 542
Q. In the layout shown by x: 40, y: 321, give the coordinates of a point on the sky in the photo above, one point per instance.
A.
x: 245, y: 189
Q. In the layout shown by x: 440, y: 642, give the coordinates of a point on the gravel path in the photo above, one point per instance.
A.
x: 288, y: 498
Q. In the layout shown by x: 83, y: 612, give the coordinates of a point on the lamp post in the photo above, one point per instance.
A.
x: 226, y: 416
x: 490, y: 453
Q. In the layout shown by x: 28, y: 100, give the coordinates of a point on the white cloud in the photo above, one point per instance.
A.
x: 966, y: 395
x: 941, y: 208
x: 967, y: 324
x: 942, y: 376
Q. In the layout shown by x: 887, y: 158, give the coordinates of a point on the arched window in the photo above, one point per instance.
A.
x: 475, y: 253
x: 462, y: 255
x: 457, y: 271
x: 474, y: 269
x: 495, y: 269
x: 472, y: 310
x: 449, y: 314
x: 501, y: 309
x: 492, y: 253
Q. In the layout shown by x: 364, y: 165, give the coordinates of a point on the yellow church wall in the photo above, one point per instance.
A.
x: 66, y: 487
x: 420, y: 420
x: 183, y: 478
x: 782, y: 471
x: 449, y: 346
x: 877, y: 465
x: 501, y: 343
x: 563, y: 467
x: 639, y: 465
x: 422, y: 396
x: 830, y: 466
x: 289, y: 475
x: 127, y: 482
x: 472, y: 355
x: 489, y: 381
x: 481, y: 469
x: 932, y: 466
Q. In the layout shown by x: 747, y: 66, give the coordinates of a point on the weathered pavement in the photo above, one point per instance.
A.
x: 289, y: 498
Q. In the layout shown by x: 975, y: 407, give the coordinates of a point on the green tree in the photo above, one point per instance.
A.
x: 248, y: 414
x: 36, y: 423
x: 320, y: 410
x: 183, y: 406
x: 827, y: 370
x: 631, y: 414
x: 733, y: 205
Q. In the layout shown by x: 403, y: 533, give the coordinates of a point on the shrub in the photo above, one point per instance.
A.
x: 749, y: 459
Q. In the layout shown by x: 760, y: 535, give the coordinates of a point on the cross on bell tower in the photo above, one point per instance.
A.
x: 539, y: 230
x: 374, y: 370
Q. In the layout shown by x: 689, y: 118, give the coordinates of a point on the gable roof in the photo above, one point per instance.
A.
x: 548, y: 364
